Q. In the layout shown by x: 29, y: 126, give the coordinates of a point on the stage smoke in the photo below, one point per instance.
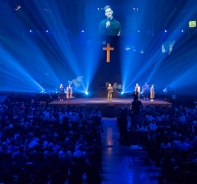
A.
x: 76, y: 82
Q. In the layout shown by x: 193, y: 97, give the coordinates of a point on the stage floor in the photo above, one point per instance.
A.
x: 103, y: 101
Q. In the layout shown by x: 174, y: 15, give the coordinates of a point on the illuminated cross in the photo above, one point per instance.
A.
x: 108, y: 48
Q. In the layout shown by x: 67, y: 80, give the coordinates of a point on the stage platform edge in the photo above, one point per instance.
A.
x: 108, y: 109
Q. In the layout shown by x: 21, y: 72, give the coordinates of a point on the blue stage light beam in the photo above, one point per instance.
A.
x: 148, y: 66
x: 69, y: 48
x: 188, y: 76
x: 16, y: 77
x: 137, y: 67
x: 28, y: 55
x: 34, y: 62
x: 57, y: 53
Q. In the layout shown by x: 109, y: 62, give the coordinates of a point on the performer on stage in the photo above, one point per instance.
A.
x: 152, y: 93
x: 145, y: 90
x: 109, y: 26
x: 69, y: 92
x: 109, y: 92
x: 137, y: 90
x: 61, y: 92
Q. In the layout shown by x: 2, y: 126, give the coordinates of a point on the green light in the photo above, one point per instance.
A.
x: 192, y: 23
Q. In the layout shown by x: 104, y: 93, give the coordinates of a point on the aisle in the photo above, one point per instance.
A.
x: 123, y: 164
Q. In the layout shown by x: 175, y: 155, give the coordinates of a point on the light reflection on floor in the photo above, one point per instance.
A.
x: 123, y: 164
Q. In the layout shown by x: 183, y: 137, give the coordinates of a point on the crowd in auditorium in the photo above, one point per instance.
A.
x: 170, y: 140
x: 42, y: 144
x: 50, y: 144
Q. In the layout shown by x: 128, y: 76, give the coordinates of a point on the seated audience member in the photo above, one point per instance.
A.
x: 43, y: 142
x: 195, y: 138
x: 152, y: 126
x: 167, y: 166
x: 31, y: 141
x: 81, y: 154
x: 20, y: 157
x: 12, y: 147
x: 5, y: 156
x: 50, y: 156
x: 190, y: 140
x: 165, y: 144
x: 182, y: 118
x: 35, y: 155
x: 18, y: 139
x: 65, y: 155
x: 82, y: 141
x: 56, y: 142
x: 176, y: 140
x: 69, y: 144
x: 183, y: 145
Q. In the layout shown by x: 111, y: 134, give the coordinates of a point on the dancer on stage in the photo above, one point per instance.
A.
x: 109, y: 92
x: 152, y: 93
x: 137, y: 90
x: 145, y: 90
x: 61, y: 92
x: 69, y: 92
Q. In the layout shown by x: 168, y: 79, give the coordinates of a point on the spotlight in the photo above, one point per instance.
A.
x: 122, y: 93
x: 43, y: 91
x: 86, y: 93
x: 47, y: 31
x: 82, y: 31
x: 30, y: 31
x: 182, y: 31
x: 138, y: 31
x: 165, y: 31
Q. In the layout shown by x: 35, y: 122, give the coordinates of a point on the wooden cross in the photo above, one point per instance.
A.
x: 108, y: 48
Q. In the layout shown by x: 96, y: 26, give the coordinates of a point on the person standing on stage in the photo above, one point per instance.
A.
x: 145, y: 90
x: 152, y: 93
x: 109, y: 26
x: 109, y: 92
x: 69, y: 92
x: 61, y: 92
x: 137, y: 90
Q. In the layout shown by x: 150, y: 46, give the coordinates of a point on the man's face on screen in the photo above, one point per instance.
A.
x: 109, y: 13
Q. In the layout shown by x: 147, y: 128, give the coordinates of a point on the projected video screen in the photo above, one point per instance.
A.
x: 109, y: 26
x: 113, y: 20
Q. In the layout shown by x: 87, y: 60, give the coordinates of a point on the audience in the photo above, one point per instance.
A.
x: 172, y: 138
x: 34, y: 135
x: 44, y: 137
x: 172, y: 144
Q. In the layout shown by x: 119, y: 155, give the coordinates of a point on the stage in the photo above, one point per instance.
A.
x: 107, y: 109
x: 97, y: 101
